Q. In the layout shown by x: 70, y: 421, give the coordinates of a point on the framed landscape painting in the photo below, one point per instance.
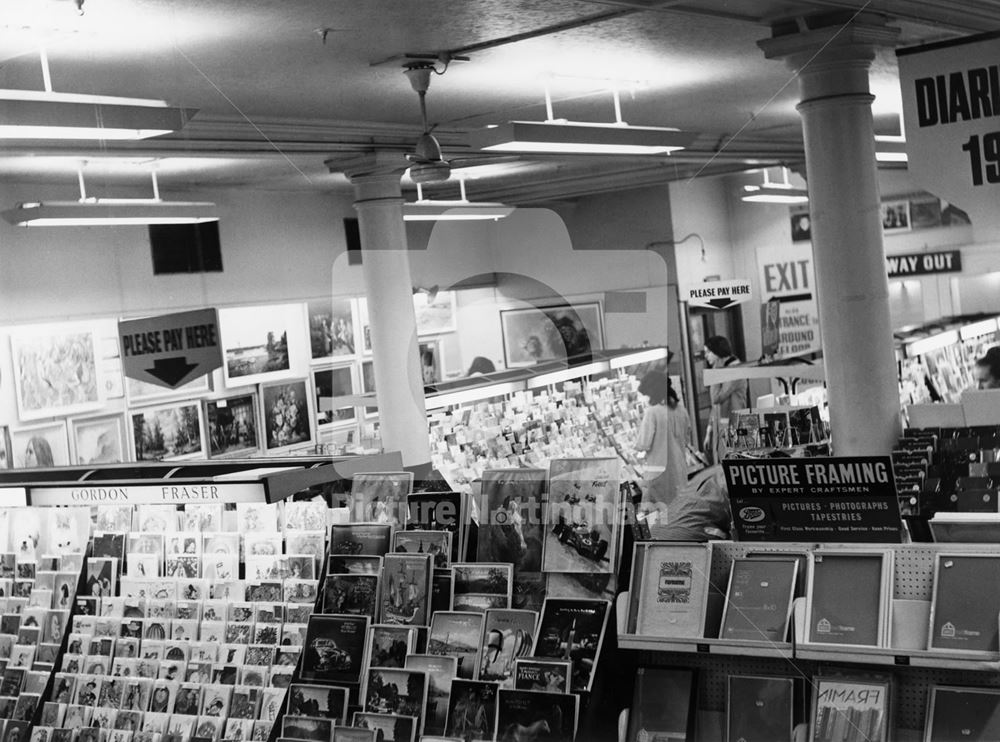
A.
x: 40, y: 446
x: 55, y: 370
x: 535, y: 334
x: 331, y: 328
x: 259, y: 342
x: 435, y: 312
x: 286, y: 414
x: 168, y: 432
x: 98, y: 440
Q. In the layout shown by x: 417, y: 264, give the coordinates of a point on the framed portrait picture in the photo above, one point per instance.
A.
x: 258, y: 343
x: 534, y: 334
x: 140, y: 393
x: 55, y: 370
x: 328, y: 384
x: 435, y: 312
x: 896, y: 216
x: 368, y: 385
x: 331, y: 328
x: 431, y: 361
x: 285, y: 406
x: 98, y: 440
x: 40, y: 445
x: 232, y: 426
x: 167, y: 432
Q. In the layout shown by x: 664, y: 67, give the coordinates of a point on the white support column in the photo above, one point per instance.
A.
x: 853, y: 289
x: 388, y: 286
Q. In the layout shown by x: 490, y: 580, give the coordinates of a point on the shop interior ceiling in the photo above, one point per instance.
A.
x: 284, y: 87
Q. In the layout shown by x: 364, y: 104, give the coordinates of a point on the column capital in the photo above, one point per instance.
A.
x: 855, y: 40
x: 370, y: 166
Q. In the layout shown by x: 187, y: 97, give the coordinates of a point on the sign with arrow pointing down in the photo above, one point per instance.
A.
x: 719, y: 294
x: 171, y: 349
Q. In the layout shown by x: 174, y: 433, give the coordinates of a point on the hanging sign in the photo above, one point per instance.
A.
x: 924, y: 264
x: 951, y: 110
x: 844, y: 499
x: 171, y: 349
x: 786, y: 274
x: 719, y: 294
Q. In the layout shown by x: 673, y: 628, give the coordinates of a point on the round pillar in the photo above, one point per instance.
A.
x: 844, y: 207
x: 386, y: 268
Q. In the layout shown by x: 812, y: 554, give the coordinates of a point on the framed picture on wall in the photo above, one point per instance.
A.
x: 40, y: 445
x: 55, y: 370
x: 260, y: 342
x: 368, y: 384
x: 328, y: 384
x: 365, y: 339
x: 331, y: 328
x: 140, y: 393
x: 431, y: 361
x: 6, y: 453
x: 166, y: 432
x: 285, y: 407
x: 434, y: 311
x: 98, y: 440
x: 896, y: 216
x: 535, y: 334
x: 232, y: 426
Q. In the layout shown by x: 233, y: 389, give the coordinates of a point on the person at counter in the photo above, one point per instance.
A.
x: 987, y: 369
x: 725, y: 398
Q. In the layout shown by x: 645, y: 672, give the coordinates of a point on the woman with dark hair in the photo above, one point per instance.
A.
x: 663, y: 434
x: 726, y: 397
x: 481, y: 365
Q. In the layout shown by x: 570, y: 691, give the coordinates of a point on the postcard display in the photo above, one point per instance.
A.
x: 861, y: 642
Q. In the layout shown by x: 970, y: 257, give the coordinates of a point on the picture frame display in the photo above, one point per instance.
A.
x: 98, y: 440
x: 435, y: 312
x: 863, y: 574
x: 285, y: 409
x: 232, y: 426
x: 55, y: 370
x: 962, y: 713
x: 40, y: 446
x: 534, y: 334
x: 259, y: 343
x: 331, y: 328
x: 672, y: 586
x: 963, y: 614
x: 167, y: 432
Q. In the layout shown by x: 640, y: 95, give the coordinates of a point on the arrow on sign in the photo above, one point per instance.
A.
x: 721, y: 303
x: 171, y: 370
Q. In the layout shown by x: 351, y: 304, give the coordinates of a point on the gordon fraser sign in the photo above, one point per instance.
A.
x: 814, y: 499
x: 144, y: 494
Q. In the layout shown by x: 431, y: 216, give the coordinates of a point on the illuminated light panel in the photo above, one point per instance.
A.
x: 110, y: 212
x: 579, y: 138
x: 430, y: 211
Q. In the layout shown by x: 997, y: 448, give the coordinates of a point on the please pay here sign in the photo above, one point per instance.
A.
x: 171, y: 349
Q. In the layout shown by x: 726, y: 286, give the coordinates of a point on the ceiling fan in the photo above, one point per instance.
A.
x: 427, y: 163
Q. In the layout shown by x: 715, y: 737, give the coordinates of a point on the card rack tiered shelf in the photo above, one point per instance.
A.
x: 913, y: 671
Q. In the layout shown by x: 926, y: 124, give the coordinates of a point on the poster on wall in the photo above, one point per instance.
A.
x: 535, y: 334
x: 259, y: 342
x: 55, y: 370
x: 785, y: 273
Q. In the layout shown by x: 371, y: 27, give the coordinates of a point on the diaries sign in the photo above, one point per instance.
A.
x: 951, y: 108
x: 823, y: 500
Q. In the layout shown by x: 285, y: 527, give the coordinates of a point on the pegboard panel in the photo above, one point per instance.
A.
x: 913, y: 572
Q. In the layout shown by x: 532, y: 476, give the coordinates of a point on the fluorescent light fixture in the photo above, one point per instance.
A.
x: 641, y: 356
x: 775, y: 193
x: 94, y: 212
x: 934, y: 342
x: 978, y: 329
x: 569, y: 374
x: 890, y: 148
x: 427, y: 210
x: 473, y: 394
x: 44, y: 114
x: 573, y: 137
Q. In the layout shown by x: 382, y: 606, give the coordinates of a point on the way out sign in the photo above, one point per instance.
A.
x: 171, y: 349
x: 719, y: 294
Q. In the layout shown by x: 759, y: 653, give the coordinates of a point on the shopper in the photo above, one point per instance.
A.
x: 663, y: 436
x: 726, y: 397
x: 987, y: 369
x: 481, y: 365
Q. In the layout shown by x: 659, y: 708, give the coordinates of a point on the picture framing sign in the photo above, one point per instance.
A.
x: 950, y: 105
x: 719, y: 294
x: 171, y: 349
x: 825, y: 500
